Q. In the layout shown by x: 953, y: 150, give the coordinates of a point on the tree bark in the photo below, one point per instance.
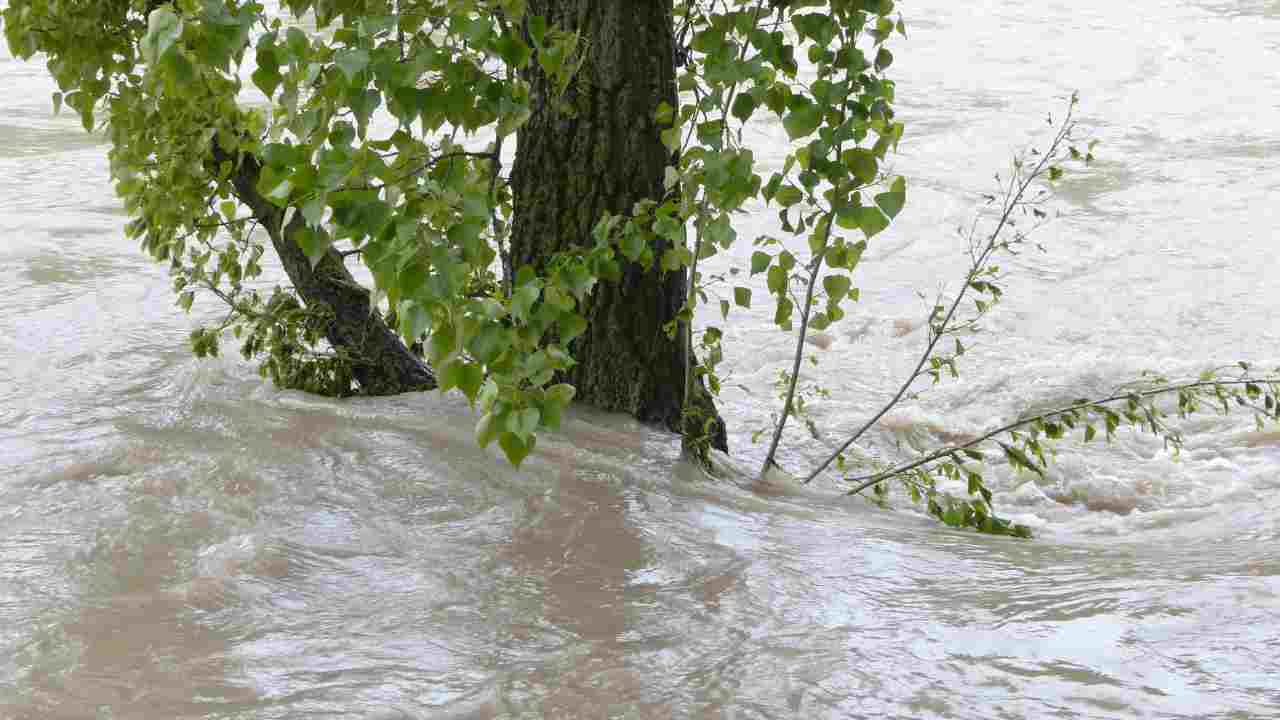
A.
x: 382, y: 364
x: 604, y: 154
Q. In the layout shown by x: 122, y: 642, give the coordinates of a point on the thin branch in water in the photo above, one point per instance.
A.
x: 1014, y: 194
x: 866, y: 481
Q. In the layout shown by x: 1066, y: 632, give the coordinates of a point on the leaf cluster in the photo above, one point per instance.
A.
x: 374, y: 130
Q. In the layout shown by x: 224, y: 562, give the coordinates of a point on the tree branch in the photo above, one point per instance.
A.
x: 866, y: 481
x: 1013, y: 201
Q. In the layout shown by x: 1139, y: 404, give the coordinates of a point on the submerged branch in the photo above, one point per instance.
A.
x: 866, y: 481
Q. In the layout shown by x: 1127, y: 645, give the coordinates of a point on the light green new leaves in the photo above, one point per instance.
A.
x: 523, y: 423
x: 422, y: 214
x: 777, y: 280
x: 555, y: 400
x: 803, y: 119
x: 837, y: 286
x: 352, y: 62
x: 515, y: 447
x: 487, y: 429
x: 163, y: 29
x: 892, y: 202
x: 870, y: 220
x: 862, y: 163
x: 314, y: 242
x: 465, y: 376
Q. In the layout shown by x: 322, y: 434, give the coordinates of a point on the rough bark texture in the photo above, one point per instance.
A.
x: 605, y: 155
x: 383, y: 365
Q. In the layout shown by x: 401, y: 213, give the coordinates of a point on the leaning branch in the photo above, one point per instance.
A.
x: 1013, y: 201
x: 866, y: 481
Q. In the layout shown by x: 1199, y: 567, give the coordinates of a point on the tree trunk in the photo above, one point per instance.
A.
x: 382, y: 365
x: 605, y: 155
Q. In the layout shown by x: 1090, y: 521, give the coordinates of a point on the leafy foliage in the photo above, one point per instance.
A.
x: 741, y: 65
x: 382, y: 127
x: 1029, y: 441
x: 421, y: 209
x: 374, y: 131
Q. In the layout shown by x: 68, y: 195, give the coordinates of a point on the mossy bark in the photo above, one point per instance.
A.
x: 598, y: 148
x: 381, y: 363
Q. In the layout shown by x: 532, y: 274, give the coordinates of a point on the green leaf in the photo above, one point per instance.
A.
x: 871, y: 221
x: 515, y: 448
x: 788, y: 195
x: 671, y: 138
x: 818, y: 26
x: 352, y: 62
x: 313, y: 211
x: 867, y: 219
x: 743, y: 106
x: 665, y: 114
x: 442, y: 344
x: 489, y: 343
x: 884, y: 59
x: 571, y: 326
x: 537, y: 29
x: 1018, y: 459
x: 802, y: 120
x: 551, y: 414
x: 414, y: 320
x: 720, y: 232
x: 862, y: 163
x: 513, y: 51
x: 782, y: 314
x: 953, y: 517
x: 760, y: 261
x: 579, y: 280
x: 522, y: 301
x: 524, y: 422
x: 163, y: 29
x: 274, y: 184
x: 314, y: 242
x: 892, y: 202
x: 777, y: 280
x: 742, y: 296
x: 465, y: 376
x: 837, y: 286
x: 561, y: 394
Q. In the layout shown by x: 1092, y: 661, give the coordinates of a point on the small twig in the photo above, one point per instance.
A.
x: 1013, y: 199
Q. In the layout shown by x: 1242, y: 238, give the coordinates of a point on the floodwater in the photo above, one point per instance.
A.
x: 180, y: 540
